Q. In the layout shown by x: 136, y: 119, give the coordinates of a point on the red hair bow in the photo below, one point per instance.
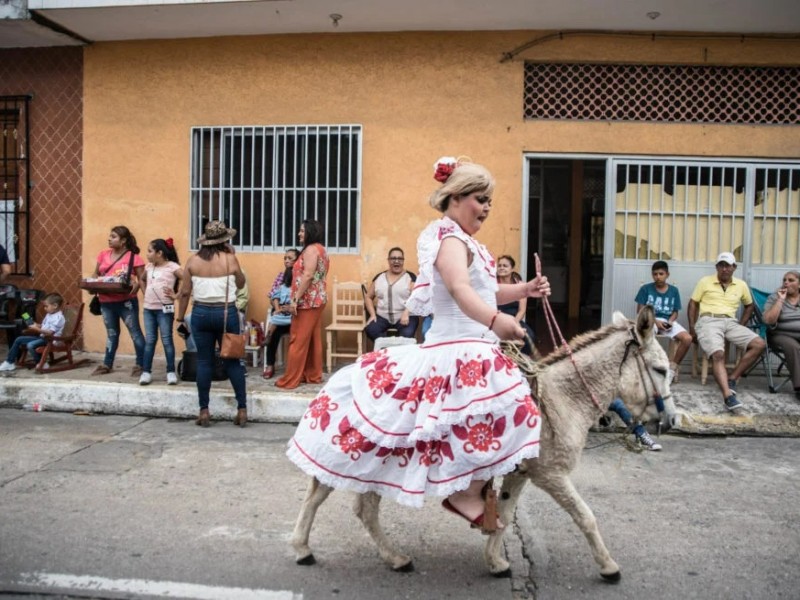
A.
x: 170, y: 243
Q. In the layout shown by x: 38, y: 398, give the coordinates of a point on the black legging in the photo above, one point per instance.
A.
x: 274, y: 340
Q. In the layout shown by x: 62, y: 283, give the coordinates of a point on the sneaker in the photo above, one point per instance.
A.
x: 172, y: 379
x: 7, y: 366
x: 648, y: 442
x: 731, y: 403
x: 732, y: 385
x: 145, y: 378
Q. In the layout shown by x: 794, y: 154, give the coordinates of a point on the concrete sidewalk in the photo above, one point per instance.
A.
x: 700, y: 406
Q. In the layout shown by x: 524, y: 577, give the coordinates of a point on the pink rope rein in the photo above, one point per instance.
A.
x: 550, y: 319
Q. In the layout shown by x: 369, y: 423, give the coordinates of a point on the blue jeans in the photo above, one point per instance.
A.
x: 31, y: 341
x: 207, y: 332
x: 426, y: 324
x: 156, y: 320
x: 128, y: 312
x: 618, y: 406
x: 380, y: 326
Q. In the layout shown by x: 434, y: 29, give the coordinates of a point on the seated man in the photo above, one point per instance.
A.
x: 386, y: 300
x: 712, y: 322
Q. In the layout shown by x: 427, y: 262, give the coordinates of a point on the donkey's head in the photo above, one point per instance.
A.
x: 643, y: 382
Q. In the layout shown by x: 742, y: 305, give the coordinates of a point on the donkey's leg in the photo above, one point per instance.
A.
x: 367, y: 509
x: 506, y: 505
x: 562, y: 490
x: 316, y: 495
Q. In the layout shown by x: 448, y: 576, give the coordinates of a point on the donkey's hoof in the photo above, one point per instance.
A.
x: 405, y: 568
x: 612, y: 577
x: 502, y: 574
x: 307, y: 560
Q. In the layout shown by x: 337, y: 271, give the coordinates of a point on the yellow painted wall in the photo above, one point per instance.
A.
x: 418, y: 96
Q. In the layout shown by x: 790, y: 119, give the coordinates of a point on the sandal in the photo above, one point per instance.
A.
x: 101, y: 370
x: 268, y: 372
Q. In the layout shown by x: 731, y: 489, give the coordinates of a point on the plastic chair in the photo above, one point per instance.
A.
x: 757, y: 324
x: 56, y: 355
x: 348, y: 317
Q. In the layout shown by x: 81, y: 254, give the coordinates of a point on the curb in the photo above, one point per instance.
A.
x: 179, y: 402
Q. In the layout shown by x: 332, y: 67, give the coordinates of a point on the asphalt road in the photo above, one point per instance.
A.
x: 130, y: 507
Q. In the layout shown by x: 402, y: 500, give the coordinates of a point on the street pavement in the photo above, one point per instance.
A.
x: 700, y: 406
x: 110, y: 506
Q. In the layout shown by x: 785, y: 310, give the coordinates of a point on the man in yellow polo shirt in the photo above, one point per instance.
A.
x: 712, y: 321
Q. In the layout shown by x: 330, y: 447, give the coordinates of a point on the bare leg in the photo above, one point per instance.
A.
x: 316, y: 495
x: 754, y: 350
x: 684, y: 343
x: 562, y: 490
x: 367, y: 509
x: 720, y: 372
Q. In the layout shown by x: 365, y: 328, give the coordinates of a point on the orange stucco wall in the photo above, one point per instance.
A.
x: 418, y: 96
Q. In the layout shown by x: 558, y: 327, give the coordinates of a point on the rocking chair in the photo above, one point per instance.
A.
x: 56, y: 355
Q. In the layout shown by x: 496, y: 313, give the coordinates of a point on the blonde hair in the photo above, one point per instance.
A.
x: 467, y: 178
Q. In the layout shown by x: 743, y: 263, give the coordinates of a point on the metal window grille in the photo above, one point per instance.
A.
x: 15, y: 180
x: 662, y: 93
x: 263, y: 181
x: 776, y: 216
x: 691, y: 212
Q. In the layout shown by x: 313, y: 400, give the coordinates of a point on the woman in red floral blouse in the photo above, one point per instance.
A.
x: 309, y: 297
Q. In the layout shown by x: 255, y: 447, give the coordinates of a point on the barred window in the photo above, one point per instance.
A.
x: 776, y: 217
x: 693, y: 211
x: 662, y: 93
x: 263, y: 181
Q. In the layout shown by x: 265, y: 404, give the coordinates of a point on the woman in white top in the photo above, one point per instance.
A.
x: 211, y: 278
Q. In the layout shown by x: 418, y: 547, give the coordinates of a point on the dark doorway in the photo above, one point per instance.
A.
x: 566, y: 210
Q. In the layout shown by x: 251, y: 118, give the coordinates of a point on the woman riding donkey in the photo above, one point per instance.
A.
x: 442, y: 418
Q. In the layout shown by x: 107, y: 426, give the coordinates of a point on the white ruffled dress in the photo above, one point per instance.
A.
x: 412, y: 420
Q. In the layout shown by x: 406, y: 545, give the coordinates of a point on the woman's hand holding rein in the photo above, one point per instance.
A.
x: 537, y: 287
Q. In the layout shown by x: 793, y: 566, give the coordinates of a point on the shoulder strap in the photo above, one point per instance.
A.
x: 113, y: 263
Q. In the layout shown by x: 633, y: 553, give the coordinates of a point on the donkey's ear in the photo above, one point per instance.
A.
x: 645, y: 321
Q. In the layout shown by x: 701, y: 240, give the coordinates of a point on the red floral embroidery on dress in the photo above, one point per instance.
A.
x: 381, y: 380
x: 481, y: 436
x: 472, y: 372
x: 319, y: 411
x: 350, y: 441
x: 527, y: 411
x: 403, y: 454
x: 411, y: 394
x: 502, y: 362
x: 436, y: 386
x: 445, y: 230
x: 433, y: 452
x: 370, y: 358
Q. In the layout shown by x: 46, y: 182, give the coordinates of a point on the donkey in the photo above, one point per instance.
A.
x: 622, y: 359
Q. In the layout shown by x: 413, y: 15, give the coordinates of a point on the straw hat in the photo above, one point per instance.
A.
x: 216, y: 233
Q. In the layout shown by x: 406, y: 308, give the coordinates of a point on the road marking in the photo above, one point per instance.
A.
x: 146, y: 587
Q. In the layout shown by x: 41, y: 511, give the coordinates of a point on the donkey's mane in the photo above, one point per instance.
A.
x: 579, y: 342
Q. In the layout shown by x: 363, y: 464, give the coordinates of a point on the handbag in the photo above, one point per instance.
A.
x: 233, y: 344
x: 109, y: 287
x: 94, y: 306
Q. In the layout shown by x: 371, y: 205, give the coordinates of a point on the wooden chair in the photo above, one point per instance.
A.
x: 348, y: 317
x: 56, y: 355
x: 700, y: 361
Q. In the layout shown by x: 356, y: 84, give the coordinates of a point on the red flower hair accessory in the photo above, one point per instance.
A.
x: 170, y: 243
x: 444, y: 167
